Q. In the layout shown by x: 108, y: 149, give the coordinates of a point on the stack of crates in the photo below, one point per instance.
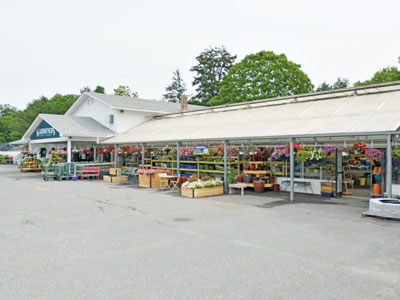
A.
x: 115, y: 176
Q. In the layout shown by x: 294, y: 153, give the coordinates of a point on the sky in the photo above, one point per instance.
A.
x: 55, y: 46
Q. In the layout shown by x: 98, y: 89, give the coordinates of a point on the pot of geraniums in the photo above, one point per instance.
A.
x: 358, y: 148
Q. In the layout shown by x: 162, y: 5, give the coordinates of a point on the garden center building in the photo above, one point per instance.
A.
x: 92, y: 118
x: 346, y: 121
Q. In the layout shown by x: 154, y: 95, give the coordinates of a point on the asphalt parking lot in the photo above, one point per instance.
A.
x: 94, y: 240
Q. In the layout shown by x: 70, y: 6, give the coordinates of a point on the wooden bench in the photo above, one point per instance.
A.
x: 90, y: 172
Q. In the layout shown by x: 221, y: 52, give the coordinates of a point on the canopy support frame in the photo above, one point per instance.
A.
x: 178, y: 162
x: 143, y: 156
x: 291, y: 169
x: 226, y: 183
x: 389, y: 165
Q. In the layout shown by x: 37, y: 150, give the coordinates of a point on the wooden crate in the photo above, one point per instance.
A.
x: 107, y: 178
x: 199, y: 193
x: 118, y: 179
x: 145, y: 180
x: 155, y: 181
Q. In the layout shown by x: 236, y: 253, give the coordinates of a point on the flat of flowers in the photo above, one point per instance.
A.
x: 204, y: 192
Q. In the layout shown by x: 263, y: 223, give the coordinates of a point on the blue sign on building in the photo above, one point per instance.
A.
x: 44, y: 131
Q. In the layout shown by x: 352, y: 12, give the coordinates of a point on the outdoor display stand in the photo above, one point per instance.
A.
x: 31, y: 164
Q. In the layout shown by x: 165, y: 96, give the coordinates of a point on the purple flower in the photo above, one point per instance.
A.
x: 328, y: 149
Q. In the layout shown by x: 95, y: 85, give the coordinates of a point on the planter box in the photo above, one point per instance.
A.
x: 145, y: 180
x: 107, y: 178
x: 149, y: 180
x: 199, y: 193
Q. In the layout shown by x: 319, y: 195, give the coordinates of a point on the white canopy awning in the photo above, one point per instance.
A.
x: 371, y: 110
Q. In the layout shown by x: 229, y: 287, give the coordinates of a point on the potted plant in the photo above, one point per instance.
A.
x: 358, y: 148
x: 375, y: 154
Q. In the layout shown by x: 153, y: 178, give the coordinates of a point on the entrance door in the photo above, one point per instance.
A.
x: 339, y: 174
x: 43, y: 152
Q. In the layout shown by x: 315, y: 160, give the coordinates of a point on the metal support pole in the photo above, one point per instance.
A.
x: 143, y: 156
x: 178, y: 163
x: 94, y: 153
x: 291, y: 170
x: 116, y: 156
x: 69, y: 150
x: 226, y: 183
x: 389, y: 165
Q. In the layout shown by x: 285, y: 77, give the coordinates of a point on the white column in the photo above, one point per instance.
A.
x: 389, y: 166
x: 94, y: 153
x: 69, y: 150
x: 143, y: 157
x: 116, y: 156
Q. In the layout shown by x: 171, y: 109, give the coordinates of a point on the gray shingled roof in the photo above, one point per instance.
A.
x: 8, y: 147
x: 73, y: 125
x: 141, y: 104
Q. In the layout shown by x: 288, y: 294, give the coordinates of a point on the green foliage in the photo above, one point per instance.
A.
x: 99, y: 89
x: 14, y: 123
x: 213, y: 65
x: 124, y: 90
x: 302, y: 155
x: 340, y: 83
x: 231, y: 175
x: 388, y: 74
x: 176, y: 89
x: 260, y: 76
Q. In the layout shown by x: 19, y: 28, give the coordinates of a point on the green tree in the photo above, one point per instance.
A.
x: 14, y: 123
x: 340, y: 83
x: 213, y: 65
x: 176, y: 89
x: 260, y: 76
x: 124, y: 90
x: 387, y: 74
x: 6, y: 112
x: 99, y: 89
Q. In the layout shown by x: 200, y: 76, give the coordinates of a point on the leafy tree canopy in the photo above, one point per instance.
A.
x: 213, y: 64
x: 124, y: 90
x: 14, y: 123
x: 340, y: 83
x: 260, y: 76
x: 176, y: 89
x: 387, y: 74
x: 98, y: 89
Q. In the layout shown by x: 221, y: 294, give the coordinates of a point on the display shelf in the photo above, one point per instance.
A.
x: 259, y: 172
x: 211, y: 171
x: 267, y: 185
